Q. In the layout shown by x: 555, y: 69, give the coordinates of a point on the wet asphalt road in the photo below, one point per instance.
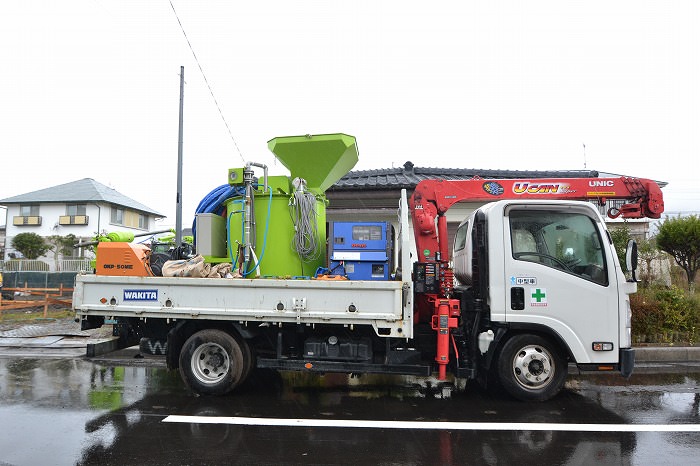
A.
x: 75, y: 411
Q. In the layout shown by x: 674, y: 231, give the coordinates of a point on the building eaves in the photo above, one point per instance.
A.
x: 409, y: 176
x: 86, y: 190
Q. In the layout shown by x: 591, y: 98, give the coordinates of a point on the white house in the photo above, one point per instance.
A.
x: 82, y: 208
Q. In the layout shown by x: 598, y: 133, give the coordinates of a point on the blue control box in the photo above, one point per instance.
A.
x: 361, y: 250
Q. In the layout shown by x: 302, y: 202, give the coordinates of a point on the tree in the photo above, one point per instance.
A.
x: 61, y: 246
x: 648, y: 253
x: 680, y: 237
x: 30, y: 245
x: 620, y: 237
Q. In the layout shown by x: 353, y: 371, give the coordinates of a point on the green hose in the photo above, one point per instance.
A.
x: 121, y: 236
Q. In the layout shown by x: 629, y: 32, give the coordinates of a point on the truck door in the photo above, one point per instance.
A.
x: 560, y: 275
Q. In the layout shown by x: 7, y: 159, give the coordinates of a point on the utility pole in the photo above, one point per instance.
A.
x: 178, y: 207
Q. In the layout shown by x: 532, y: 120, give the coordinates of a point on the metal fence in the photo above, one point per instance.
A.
x: 24, y: 265
x: 29, y: 265
x: 74, y: 265
x: 38, y: 279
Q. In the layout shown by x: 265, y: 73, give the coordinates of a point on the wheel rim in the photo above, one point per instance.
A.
x: 210, y: 363
x: 533, y: 367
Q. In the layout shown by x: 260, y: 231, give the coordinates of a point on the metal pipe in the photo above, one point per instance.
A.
x: 248, y: 209
x: 264, y: 167
x: 178, y: 200
x: 93, y: 243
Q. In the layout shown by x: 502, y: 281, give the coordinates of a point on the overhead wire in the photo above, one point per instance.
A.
x: 206, y: 81
x: 303, y: 205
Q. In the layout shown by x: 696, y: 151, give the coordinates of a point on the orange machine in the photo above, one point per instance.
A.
x: 123, y: 259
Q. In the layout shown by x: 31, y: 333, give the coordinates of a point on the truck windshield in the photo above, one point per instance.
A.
x: 567, y: 241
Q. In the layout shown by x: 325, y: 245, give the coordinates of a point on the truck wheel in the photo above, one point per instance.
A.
x: 212, y: 362
x: 531, y: 368
x: 248, y: 357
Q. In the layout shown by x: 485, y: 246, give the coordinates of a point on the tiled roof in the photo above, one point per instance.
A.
x: 409, y: 175
x: 85, y: 190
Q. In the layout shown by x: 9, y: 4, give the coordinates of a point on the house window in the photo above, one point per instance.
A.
x: 28, y: 210
x: 76, y: 209
x: 128, y: 218
x: 117, y: 216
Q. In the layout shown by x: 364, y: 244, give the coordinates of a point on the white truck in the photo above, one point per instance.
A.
x: 536, y: 285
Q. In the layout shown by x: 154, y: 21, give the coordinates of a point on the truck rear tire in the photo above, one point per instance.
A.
x: 531, y: 368
x: 212, y: 362
x: 248, y: 357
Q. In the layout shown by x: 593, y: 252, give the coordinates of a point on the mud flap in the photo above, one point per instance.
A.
x: 626, y: 361
x: 90, y: 322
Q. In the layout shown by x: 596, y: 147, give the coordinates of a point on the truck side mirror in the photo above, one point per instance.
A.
x: 632, y: 258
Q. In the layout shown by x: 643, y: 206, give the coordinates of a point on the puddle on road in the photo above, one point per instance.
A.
x: 89, y: 412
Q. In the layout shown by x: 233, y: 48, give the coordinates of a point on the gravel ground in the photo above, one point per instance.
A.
x: 65, y: 326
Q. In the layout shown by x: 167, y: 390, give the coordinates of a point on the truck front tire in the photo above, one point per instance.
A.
x: 531, y: 368
x: 212, y: 362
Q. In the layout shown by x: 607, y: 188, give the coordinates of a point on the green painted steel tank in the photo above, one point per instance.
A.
x: 321, y: 161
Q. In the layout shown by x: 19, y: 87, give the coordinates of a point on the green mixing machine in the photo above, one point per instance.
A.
x: 276, y: 227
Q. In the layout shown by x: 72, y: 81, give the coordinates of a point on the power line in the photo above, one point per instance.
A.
x: 207, y: 82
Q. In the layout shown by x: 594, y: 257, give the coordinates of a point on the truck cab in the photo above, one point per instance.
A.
x: 550, y: 280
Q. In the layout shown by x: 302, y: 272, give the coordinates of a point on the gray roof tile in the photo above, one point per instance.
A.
x: 85, y: 190
x: 409, y: 175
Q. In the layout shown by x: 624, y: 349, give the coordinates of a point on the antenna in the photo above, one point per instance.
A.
x: 584, y: 156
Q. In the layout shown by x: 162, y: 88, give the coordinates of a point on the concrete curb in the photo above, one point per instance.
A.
x: 667, y: 354
x: 100, y: 347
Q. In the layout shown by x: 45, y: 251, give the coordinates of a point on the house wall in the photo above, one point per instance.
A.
x: 98, y: 221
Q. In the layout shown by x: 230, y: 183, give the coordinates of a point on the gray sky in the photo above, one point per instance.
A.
x: 90, y: 88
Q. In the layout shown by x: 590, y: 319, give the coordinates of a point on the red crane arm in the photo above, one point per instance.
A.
x: 432, y: 198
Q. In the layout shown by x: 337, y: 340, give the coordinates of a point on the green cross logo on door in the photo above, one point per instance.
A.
x: 538, y: 296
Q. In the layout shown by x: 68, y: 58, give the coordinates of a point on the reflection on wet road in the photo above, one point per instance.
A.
x: 79, y: 412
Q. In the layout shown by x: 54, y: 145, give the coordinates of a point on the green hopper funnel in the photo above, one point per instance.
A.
x: 319, y: 159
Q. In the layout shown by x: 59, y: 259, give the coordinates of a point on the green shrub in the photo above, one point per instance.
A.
x: 659, y: 313
x: 647, y: 315
x: 679, y: 309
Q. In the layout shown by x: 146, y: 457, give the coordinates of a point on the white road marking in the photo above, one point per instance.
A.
x: 433, y: 425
